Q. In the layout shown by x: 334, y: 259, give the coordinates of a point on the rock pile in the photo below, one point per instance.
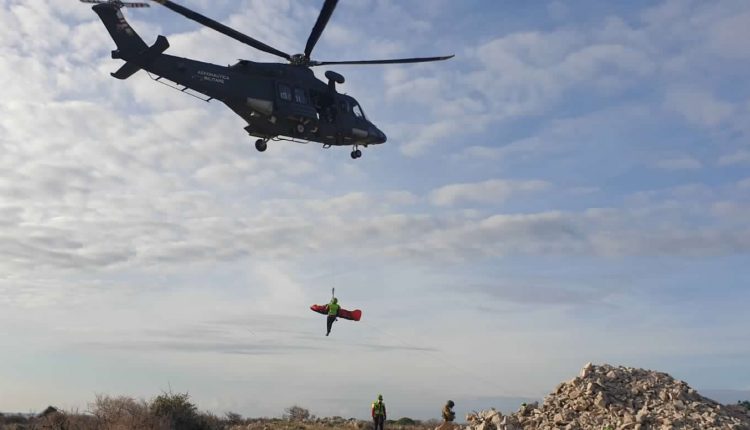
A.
x: 618, y: 398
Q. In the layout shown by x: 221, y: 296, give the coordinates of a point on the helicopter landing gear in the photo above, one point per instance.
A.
x: 261, y: 145
x: 356, y: 154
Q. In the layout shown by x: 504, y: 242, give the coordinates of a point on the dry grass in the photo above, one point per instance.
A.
x: 175, y: 412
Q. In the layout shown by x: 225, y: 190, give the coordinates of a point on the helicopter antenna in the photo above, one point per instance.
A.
x: 117, y: 3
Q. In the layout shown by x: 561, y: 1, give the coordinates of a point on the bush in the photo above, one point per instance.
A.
x: 54, y: 419
x: 405, y: 421
x: 744, y: 403
x: 233, y: 418
x: 178, y: 411
x: 296, y: 413
x: 125, y: 412
x: 13, y: 419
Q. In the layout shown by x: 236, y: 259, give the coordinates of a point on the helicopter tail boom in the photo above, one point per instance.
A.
x: 130, y: 46
x: 122, y: 33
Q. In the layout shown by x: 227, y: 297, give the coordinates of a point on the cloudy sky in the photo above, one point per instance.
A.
x: 573, y: 186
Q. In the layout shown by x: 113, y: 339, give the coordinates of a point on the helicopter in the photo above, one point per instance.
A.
x: 278, y: 101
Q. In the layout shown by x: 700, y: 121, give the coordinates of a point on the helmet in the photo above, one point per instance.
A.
x: 334, y: 300
x: 380, y: 397
x: 450, y: 403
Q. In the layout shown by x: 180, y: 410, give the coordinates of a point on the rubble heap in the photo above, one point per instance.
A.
x: 618, y: 398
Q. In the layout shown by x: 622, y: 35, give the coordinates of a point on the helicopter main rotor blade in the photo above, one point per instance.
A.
x: 223, y: 29
x: 393, y: 61
x: 325, y: 14
x: 117, y: 3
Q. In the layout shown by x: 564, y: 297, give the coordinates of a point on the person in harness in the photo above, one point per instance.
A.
x: 333, y: 312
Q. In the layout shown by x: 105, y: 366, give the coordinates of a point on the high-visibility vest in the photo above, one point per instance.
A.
x: 333, y: 309
x: 378, y: 408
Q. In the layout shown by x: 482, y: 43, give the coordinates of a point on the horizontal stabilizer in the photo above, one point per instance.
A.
x: 142, y: 59
x: 127, y: 70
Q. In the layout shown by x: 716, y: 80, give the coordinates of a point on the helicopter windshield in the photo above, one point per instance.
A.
x: 358, y: 112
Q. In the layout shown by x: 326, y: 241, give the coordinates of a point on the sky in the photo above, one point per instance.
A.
x: 572, y: 187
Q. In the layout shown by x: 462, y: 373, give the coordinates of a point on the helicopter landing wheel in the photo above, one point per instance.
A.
x: 300, y: 128
x: 261, y: 145
x: 356, y: 154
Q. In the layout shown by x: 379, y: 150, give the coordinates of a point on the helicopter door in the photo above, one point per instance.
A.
x: 345, y: 114
x: 294, y: 103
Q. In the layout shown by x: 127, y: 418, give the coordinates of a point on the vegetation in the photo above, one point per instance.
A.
x: 170, y: 411
x: 745, y: 404
x: 297, y: 413
x: 405, y: 421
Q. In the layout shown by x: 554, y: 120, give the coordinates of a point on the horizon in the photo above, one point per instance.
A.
x: 571, y: 187
x: 505, y: 405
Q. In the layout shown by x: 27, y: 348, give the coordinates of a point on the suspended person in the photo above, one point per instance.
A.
x: 378, y: 413
x: 333, y: 312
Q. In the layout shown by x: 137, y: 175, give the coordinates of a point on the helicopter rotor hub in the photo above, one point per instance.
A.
x: 300, y: 60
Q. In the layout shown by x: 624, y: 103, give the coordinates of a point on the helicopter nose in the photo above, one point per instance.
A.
x: 377, y: 135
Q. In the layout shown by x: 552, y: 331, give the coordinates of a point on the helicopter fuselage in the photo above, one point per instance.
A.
x: 276, y: 100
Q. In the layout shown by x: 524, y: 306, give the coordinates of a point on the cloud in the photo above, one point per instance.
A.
x: 234, y: 347
x: 679, y: 163
x: 738, y: 158
x: 543, y: 293
x: 487, y: 192
x: 698, y: 106
x: 204, y: 232
x: 727, y: 35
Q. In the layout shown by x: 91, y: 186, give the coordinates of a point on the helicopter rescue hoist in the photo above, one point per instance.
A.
x: 278, y: 101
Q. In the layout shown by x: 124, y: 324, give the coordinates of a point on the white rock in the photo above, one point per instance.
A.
x: 586, y: 370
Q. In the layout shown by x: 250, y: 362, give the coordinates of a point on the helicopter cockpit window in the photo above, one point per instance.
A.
x: 285, y: 93
x: 344, y: 106
x: 299, y: 96
x: 358, y: 111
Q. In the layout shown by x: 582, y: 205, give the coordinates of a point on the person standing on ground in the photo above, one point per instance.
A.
x: 378, y: 413
x: 333, y: 312
x: 448, y: 414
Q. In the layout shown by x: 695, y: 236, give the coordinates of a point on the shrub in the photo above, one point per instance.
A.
x: 233, y: 418
x: 296, y: 413
x: 54, y: 419
x: 125, y: 412
x: 178, y: 410
x: 406, y: 421
x: 13, y: 419
x: 744, y: 403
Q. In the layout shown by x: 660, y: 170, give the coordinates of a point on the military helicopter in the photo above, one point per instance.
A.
x: 279, y: 101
